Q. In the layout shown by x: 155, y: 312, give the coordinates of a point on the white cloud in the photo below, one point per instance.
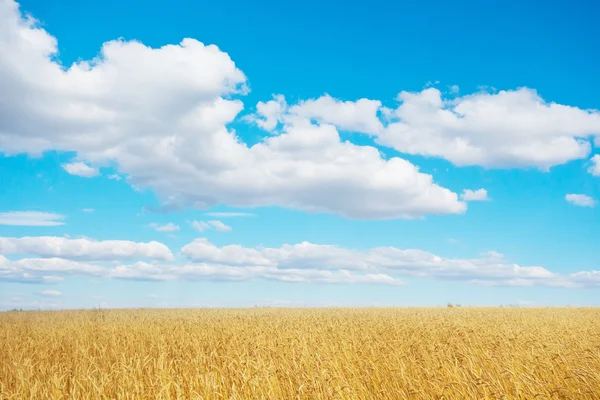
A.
x: 170, y: 227
x: 31, y: 218
x: 268, y: 114
x: 202, y: 226
x: 511, y: 128
x: 489, y: 269
x: 114, y: 177
x: 514, y: 128
x: 474, y: 195
x: 219, y: 226
x: 359, y: 116
x: 51, y: 293
x: 228, y: 214
x: 145, y: 271
x: 580, y: 200
x: 307, y: 262
x: 80, y: 169
x: 84, y: 249
x: 160, y: 116
x: 88, y: 210
x: 303, y: 263
x: 594, y: 169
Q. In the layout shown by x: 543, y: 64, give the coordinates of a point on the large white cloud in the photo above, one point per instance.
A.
x: 511, y: 128
x: 505, y: 129
x: 84, y: 249
x: 160, y: 115
x: 303, y: 263
x: 219, y: 272
x: 490, y: 267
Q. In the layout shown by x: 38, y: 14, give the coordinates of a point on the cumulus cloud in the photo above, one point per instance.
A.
x: 169, y: 227
x: 80, y: 169
x: 510, y: 128
x: 491, y: 266
x: 202, y: 226
x: 37, y: 270
x: 160, y: 116
x: 580, y: 200
x: 359, y: 116
x: 306, y: 262
x: 594, y: 169
x: 84, y: 249
x: 303, y: 263
x: 145, y: 271
x: 474, y: 195
x: 31, y: 218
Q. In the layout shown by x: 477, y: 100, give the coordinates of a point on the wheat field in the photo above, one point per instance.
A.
x: 272, y: 353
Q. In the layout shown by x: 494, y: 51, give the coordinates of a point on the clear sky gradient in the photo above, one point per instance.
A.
x: 323, y: 153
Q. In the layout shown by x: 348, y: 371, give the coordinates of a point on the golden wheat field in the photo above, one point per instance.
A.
x: 272, y: 353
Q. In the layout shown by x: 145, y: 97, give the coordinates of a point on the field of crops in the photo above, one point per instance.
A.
x: 270, y: 353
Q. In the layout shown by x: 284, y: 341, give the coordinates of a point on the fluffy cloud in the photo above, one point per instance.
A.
x: 145, y: 271
x: 84, y: 249
x: 36, y: 270
x: 359, y: 116
x: 303, y: 263
x: 170, y: 227
x: 511, y: 128
x: 160, y: 116
x: 31, y: 218
x: 580, y: 200
x: 306, y: 262
x: 202, y: 226
x: 594, y: 169
x: 491, y: 267
x: 474, y: 195
x: 80, y: 169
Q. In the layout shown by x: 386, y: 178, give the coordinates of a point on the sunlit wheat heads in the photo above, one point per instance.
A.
x: 272, y: 353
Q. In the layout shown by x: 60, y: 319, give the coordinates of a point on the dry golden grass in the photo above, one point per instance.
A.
x: 455, y: 353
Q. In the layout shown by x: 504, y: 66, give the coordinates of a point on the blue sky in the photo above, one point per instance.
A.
x: 322, y: 154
